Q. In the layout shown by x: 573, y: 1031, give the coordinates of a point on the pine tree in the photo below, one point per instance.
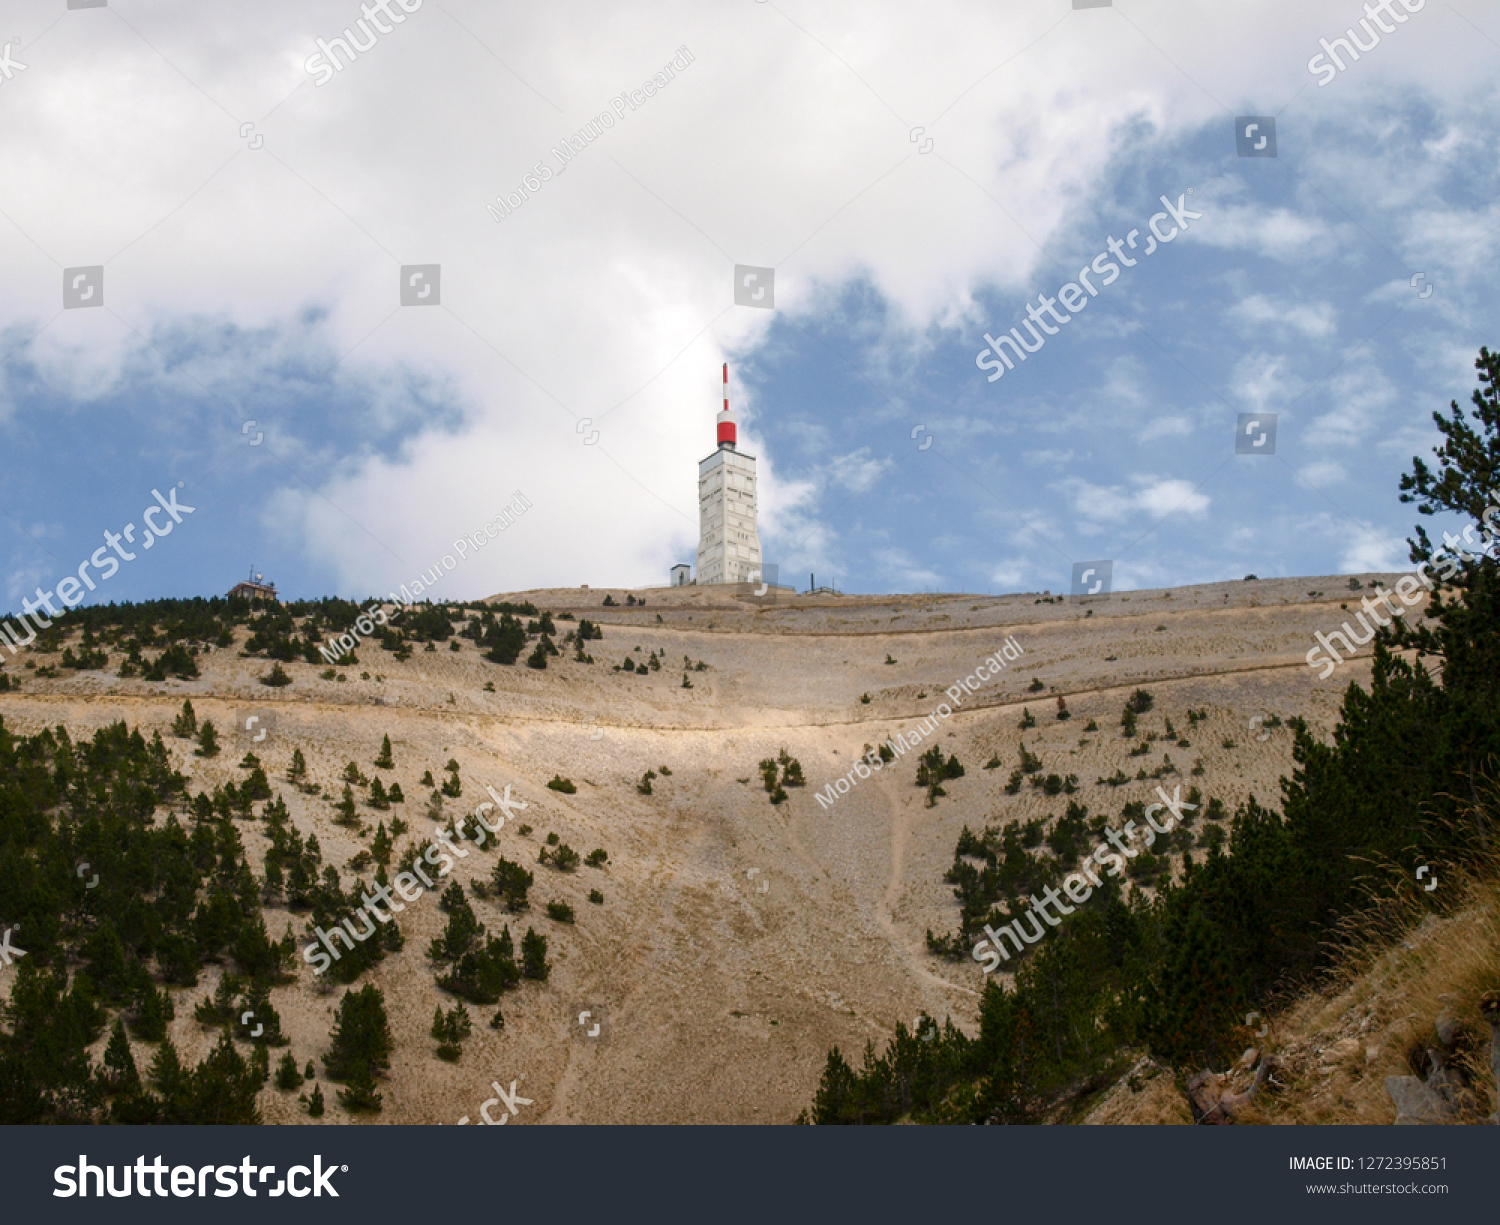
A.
x: 511, y: 883
x: 223, y: 1087
x: 361, y: 1036
x: 287, y: 1075
x: 170, y: 1080
x: 298, y: 768
x: 121, y: 1075
x: 449, y: 1031
x: 107, y: 966
x: 315, y: 1105
x: 275, y: 880
x: 185, y: 726
x: 380, y: 845
x: 153, y: 1011
x: 463, y: 930
x: 384, y: 761
x: 505, y: 639
x: 534, y: 956
x: 263, y: 1016
x: 1197, y: 994
x: 260, y: 1064
x: 208, y: 741
x: 838, y: 1090
x: 358, y: 1094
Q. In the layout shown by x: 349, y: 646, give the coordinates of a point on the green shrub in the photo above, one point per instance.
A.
x: 449, y: 1031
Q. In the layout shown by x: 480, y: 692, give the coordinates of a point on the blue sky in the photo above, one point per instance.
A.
x: 247, y: 282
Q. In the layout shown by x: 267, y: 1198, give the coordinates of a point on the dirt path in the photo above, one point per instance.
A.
x: 913, y: 949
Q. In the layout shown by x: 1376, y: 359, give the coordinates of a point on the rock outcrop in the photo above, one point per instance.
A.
x: 1443, y: 1093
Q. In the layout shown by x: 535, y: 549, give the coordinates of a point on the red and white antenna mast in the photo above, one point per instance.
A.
x: 726, y: 418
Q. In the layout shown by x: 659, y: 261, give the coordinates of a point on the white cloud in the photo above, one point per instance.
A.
x: 1365, y: 551
x: 1155, y: 497
x: 897, y: 566
x: 1011, y: 574
x: 858, y: 470
x: 1314, y: 319
x: 1359, y: 395
x: 1167, y: 427
x: 1277, y: 233
x: 1165, y: 497
x: 1049, y: 459
x: 1324, y: 472
x: 1262, y: 383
